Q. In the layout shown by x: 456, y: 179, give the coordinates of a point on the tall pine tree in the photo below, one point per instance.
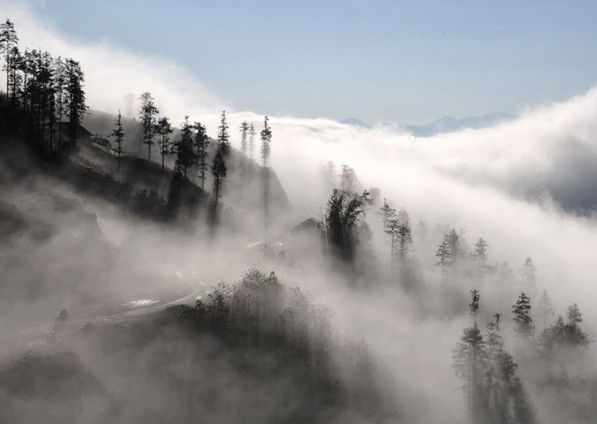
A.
x: 148, y: 116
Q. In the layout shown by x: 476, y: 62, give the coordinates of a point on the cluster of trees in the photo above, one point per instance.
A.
x: 191, y: 148
x: 45, y: 102
x: 260, y: 312
x: 45, y: 94
x: 495, y: 393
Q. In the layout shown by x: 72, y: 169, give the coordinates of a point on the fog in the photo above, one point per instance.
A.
x: 525, y: 186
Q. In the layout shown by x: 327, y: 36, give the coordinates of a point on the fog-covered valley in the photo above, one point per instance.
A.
x: 306, y: 271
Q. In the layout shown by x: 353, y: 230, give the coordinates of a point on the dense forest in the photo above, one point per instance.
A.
x: 275, y: 346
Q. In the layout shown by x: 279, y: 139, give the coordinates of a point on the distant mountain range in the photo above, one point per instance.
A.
x: 446, y: 124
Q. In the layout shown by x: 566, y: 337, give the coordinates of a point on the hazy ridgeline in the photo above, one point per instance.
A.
x: 369, y: 316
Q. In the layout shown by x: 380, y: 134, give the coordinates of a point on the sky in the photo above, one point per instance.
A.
x: 399, y: 61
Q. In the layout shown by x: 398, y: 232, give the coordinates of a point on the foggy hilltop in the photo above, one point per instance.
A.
x: 167, y: 259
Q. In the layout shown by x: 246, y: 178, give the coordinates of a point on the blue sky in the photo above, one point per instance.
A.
x: 408, y: 61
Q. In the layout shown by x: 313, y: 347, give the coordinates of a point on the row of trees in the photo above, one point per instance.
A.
x: 43, y: 92
x: 191, y: 148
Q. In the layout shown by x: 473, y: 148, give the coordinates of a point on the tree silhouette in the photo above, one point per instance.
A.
x: 469, y: 363
x: 252, y: 134
x: 481, y: 250
x: 401, y: 239
x: 118, y: 135
x: 148, y: 116
x: 163, y: 129
x: 452, y: 239
x: 186, y: 156
x: 444, y: 258
x: 545, y: 308
x: 8, y: 42
x: 218, y: 171
x: 75, y: 98
x: 201, y: 146
x: 244, y: 128
x: 344, y: 210
x: 521, y: 312
x: 266, y: 137
x: 348, y: 179
x: 223, y: 136
x: 387, y: 213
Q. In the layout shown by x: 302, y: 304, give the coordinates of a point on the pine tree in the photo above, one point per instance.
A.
x: 8, y: 41
x: 252, y: 134
x: 344, y: 211
x: 348, y: 179
x: 60, y: 90
x: 443, y: 254
x: 185, y: 153
x: 266, y: 138
x: 118, y: 135
x: 163, y: 129
x: 387, y: 213
x: 148, y: 116
x: 469, y: 364
x: 223, y: 136
x: 507, y: 401
x: 545, y: 308
x: 401, y: 239
x: 404, y: 217
x: 574, y: 334
x: 481, y: 250
x: 521, y: 312
x: 201, y: 146
x: 75, y: 98
x: 452, y: 239
x: 244, y: 128
x: 528, y: 275
x: 474, y: 304
x: 218, y: 171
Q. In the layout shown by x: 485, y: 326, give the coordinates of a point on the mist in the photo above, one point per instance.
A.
x: 524, y: 186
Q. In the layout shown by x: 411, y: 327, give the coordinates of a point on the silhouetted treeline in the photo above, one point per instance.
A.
x: 45, y: 100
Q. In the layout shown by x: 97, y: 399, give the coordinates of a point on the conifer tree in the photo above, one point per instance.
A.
x: 163, y: 129
x: 387, y: 213
x: 521, y: 312
x: 148, y: 116
x: 348, y: 179
x: 474, y: 304
x: 218, y: 171
x: 266, y: 138
x: 244, y: 128
x: 252, y: 134
x: 469, y: 363
x: 60, y: 90
x: 8, y: 42
x: 528, y: 270
x: 452, y: 239
x: 481, y: 250
x: 75, y: 98
x: 118, y: 134
x: 444, y: 258
x: 223, y: 136
x: 401, y: 239
x: 566, y: 337
x: 185, y: 153
x: 545, y: 308
x: 201, y: 146
x: 344, y: 211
